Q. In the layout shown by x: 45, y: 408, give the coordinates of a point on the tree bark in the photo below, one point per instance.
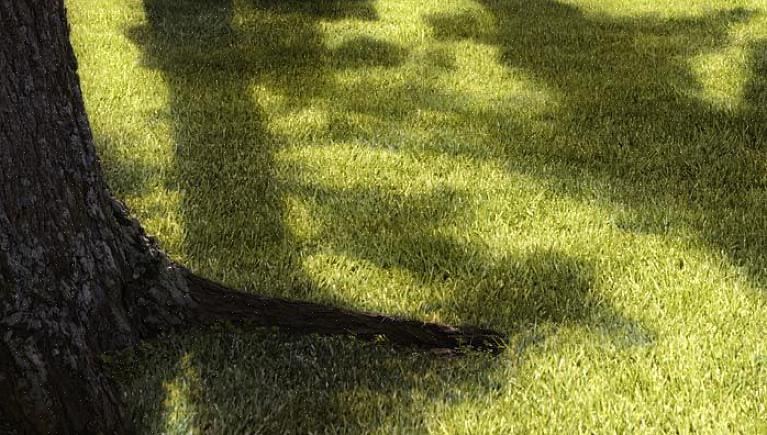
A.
x: 78, y: 276
x: 73, y: 266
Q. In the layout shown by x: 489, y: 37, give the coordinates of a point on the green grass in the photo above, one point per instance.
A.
x: 587, y: 176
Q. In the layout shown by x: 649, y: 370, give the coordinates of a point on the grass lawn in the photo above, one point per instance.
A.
x: 588, y: 176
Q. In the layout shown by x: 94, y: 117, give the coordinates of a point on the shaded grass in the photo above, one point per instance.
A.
x: 195, y: 393
x: 586, y: 176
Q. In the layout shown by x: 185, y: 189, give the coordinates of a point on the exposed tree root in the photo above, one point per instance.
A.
x: 216, y: 303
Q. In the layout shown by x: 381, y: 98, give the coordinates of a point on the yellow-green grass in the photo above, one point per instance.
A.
x: 588, y: 176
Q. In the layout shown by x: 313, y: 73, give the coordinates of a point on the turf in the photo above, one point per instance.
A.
x: 588, y: 176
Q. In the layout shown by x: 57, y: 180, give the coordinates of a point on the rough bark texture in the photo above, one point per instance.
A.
x: 70, y: 258
x: 78, y: 276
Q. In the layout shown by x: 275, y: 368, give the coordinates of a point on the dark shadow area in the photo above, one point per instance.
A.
x: 294, y: 385
x: 756, y: 90
x: 458, y: 26
x: 629, y: 118
x: 127, y: 176
x: 362, y: 10
x: 365, y: 51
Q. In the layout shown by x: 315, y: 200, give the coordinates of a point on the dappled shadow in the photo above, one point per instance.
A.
x: 233, y: 220
x: 623, y: 114
x: 365, y: 51
x: 629, y: 116
x: 472, y: 284
x: 327, y: 10
x: 285, y: 384
x: 222, y: 150
x: 211, y: 60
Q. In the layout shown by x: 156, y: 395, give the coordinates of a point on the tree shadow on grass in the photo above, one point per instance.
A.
x: 128, y: 177
x: 233, y: 221
x: 630, y: 116
x: 465, y: 281
x: 211, y: 57
x: 265, y: 382
x: 360, y: 10
x: 286, y: 384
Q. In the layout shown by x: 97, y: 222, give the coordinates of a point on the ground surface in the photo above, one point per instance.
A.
x: 587, y: 176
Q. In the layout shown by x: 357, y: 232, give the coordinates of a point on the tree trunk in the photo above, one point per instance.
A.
x: 78, y: 276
